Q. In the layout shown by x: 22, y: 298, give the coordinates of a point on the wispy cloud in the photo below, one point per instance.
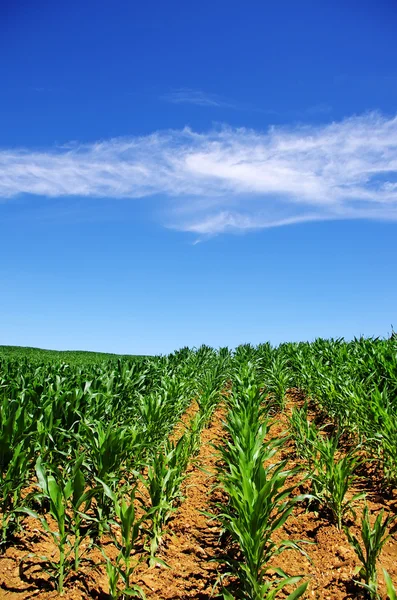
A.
x: 206, y: 99
x: 198, y: 97
x: 228, y: 179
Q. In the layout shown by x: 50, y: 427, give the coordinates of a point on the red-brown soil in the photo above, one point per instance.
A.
x: 192, y: 538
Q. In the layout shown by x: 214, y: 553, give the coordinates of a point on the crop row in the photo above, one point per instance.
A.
x: 91, y: 458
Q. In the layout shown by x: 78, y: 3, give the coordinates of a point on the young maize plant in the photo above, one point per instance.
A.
x: 256, y: 509
x: 126, y: 531
x: 13, y: 477
x: 304, y: 433
x: 15, y: 457
x: 108, y: 447
x: 258, y: 496
x: 68, y: 504
x: 278, y: 378
x: 332, y: 477
x: 165, y: 474
x: 211, y: 384
x: 381, y: 410
x: 373, y: 539
x: 159, y: 411
x: 193, y: 432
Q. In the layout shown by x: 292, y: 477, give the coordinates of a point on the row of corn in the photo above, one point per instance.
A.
x: 85, y: 450
x: 332, y: 473
x: 257, y: 492
x: 256, y: 483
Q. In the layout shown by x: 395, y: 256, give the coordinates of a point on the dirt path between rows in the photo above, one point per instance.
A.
x: 192, y: 538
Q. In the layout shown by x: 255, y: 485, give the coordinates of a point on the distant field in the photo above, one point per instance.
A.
x: 77, y: 356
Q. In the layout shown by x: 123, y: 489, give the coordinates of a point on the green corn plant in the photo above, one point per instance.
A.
x: 278, y: 378
x: 80, y: 504
x: 156, y: 415
x: 193, y: 433
x: 384, y: 438
x: 66, y: 499
x: 14, y: 425
x: 304, y: 433
x: 57, y: 418
x: 129, y: 529
x: 373, y: 539
x: 211, y: 384
x: 158, y: 411
x: 106, y: 447
x: 333, y: 476
x: 257, y: 507
x: 13, y: 477
x: 109, y: 446
x: 391, y: 590
x: 259, y: 501
x: 15, y: 455
x: 165, y: 474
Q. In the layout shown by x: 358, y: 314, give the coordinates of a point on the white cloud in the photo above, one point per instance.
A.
x: 228, y: 179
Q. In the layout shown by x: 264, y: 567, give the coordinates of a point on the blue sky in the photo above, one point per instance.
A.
x: 176, y: 173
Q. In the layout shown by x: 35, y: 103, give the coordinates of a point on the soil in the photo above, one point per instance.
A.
x: 192, y: 541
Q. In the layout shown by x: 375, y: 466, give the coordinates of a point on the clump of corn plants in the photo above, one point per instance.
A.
x: 257, y: 508
x: 125, y: 531
x: 110, y: 447
x: 381, y: 418
x: 15, y: 458
x: 373, y: 538
x: 278, y: 378
x: 332, y: 477
x: 259, y: 499
x: 211, y: 385
x: 13, y: 477
x: 165, y: 474
x: 68, y: 503
x: 304, y: 433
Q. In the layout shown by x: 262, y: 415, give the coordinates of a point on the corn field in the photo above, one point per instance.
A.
x: 98, y: 454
